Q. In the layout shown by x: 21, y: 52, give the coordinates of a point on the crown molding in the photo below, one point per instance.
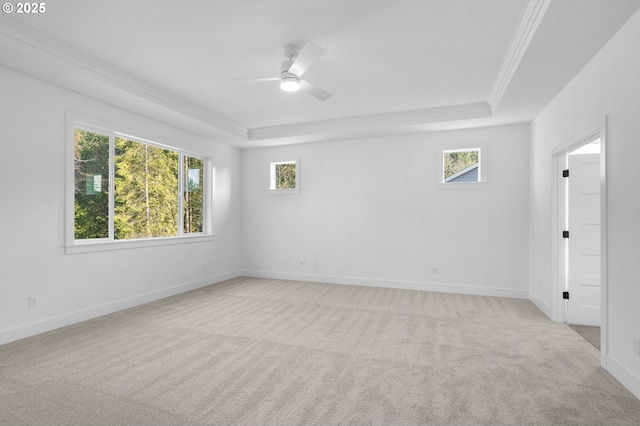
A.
x: 111, y: 76
x: 364, y: 125
x: 529, y: 21
x: 82, y: 73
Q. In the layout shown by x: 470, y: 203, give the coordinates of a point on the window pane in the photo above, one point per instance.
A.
x: 91, y: 204
x: 146, y: 184
x: 192, y: 201
x: 461, y: 166
x: 285, y: 176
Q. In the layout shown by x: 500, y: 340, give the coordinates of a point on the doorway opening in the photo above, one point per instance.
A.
x: 579, y: 235
x: 582, y: 248
x: 581, y: 245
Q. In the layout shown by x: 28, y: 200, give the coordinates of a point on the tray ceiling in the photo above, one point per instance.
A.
x: 392, y: 67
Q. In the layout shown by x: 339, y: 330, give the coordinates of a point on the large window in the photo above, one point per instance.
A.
x: 127, y: 189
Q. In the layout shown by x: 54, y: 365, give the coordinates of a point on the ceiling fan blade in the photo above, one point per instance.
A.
x: 254, y: 79
x: 307, y: 56
x: 314, y: 91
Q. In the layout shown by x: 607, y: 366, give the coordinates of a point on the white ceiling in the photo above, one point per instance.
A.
x: 392, y: 66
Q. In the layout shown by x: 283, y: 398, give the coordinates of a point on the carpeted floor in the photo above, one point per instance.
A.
x: 255, y: 351
x: 588, y: 333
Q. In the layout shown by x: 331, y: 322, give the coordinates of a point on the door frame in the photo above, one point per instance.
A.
x: 558, y: 153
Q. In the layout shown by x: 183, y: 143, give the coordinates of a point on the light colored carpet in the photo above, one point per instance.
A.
x: 255, y: 351
x: 588, y: 333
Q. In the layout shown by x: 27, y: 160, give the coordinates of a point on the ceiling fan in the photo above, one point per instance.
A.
x: 291, y: 70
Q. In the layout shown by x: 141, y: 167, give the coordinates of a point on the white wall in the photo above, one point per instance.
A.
x: 609, y: 84
x: 71, y: 288
x: 370, y: 212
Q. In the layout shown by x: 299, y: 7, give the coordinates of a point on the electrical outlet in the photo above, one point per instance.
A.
x: 303, y: 263
x: 32, y: 302
x: 636, y: 347
x: 434, y: 270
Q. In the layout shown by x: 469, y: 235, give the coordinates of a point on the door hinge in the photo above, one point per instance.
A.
x: 565, y: 295
x: 565, y: 173
x: 565, y: 234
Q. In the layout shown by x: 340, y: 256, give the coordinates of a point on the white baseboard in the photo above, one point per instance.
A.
x: 542, y: 305
x: 625, y: 376
x: 399, y: 284
x: 48, y: 324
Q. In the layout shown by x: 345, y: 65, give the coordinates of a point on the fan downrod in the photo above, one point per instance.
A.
x: 290, y: 51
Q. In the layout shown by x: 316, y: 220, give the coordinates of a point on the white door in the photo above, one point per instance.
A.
x: 583, y: 275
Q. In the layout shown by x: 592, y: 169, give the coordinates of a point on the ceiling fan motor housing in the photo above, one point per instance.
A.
x: 290, y: 51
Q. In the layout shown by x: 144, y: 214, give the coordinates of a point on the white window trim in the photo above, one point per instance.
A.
x: 462, y: 146
x: 271, y: 190
x: 106, y: 245
x: 84, y: 122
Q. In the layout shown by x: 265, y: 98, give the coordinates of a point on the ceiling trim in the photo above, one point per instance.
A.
x: 354, y: 126
x: 529, y: 21
x: 116, y: 78
x: 72, y: 60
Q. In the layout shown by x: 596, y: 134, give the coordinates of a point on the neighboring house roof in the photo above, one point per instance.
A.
x: 470, y: 174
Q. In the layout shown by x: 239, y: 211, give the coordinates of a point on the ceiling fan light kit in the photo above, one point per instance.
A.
x: 291, y: 70
x: 288, y: 82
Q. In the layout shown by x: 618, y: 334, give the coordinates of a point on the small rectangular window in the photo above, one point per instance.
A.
x: 461, y: 165
x: 284, y: 175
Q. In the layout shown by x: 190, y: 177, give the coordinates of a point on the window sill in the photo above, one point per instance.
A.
x: 283, y: 191
x: 462, y: 185
x: 95, y: 246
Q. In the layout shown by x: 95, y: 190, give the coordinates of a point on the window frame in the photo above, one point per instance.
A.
x: 462, y: 147
x: 271, y: 182
x: 78, y: 121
